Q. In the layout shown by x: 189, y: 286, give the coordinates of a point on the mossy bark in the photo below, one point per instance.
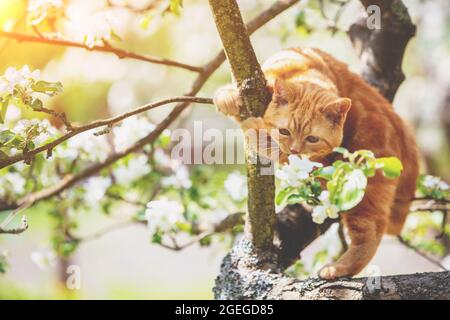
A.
x: 252, y: 86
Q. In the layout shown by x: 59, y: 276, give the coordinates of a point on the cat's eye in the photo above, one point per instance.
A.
x: 284, y: 132
x: 312, y: 139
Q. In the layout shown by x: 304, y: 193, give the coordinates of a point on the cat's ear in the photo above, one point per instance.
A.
x: 282, y: 91
x: 337, y: 110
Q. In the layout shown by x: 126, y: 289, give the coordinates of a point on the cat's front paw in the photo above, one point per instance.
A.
x: 228, y: 101
x: 333, y: 271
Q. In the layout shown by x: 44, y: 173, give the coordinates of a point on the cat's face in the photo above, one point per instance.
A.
x: 309, y: 119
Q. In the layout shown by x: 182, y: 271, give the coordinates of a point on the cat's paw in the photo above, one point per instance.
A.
x: 228, y: 101
x: 333, y: 271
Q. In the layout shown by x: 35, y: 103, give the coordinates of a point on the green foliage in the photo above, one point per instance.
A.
x: 3, y: 262
x: 48, y: 88
x: 346, y: 181
x: 175, y: 6
x: 433, y: 187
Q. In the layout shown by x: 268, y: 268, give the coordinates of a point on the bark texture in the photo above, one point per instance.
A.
x: 381, y: 49
x: 252, y: 86
x: 240, y: 279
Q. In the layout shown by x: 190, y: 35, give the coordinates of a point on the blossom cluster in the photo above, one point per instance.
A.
x: 332, y: 189
x: 19, y: 80
x: 41, y: 11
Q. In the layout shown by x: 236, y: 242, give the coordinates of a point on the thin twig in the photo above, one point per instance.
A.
x: 75, y: 130
x: 100, y: 233
x: 120, y: 53
x: 61, y: 116
x: 22, y: 228
x: 128, y: 201
x: 420, y: 253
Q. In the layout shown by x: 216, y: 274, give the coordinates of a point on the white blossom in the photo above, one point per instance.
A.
x: 5, y: 88
x: 14, y: 77
x: 180, y: 179
x: 135, y: 168
x: 44, y: 259
x: 298, y: 169
x: 131, y: 130
x: 435, y: 182
x: 325, y: 210
x: 95, y: 189
x: 86, y: 145
x: 42, y: 130
x: 163, y: 215
x: 214, y: 217
x: 40, y: 9
x: 236, y: 186
x: 92, y: 28
x: 14, y: 113
x: 12, y: 182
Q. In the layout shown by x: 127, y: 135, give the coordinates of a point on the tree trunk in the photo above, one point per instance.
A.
x: 252, y: 86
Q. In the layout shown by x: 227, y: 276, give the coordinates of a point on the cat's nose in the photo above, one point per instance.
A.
x: 294, y: 150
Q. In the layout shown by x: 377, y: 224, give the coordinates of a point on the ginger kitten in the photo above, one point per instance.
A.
x: 317, y: 105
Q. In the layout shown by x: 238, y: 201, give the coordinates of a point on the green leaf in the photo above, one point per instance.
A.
x: 36, y: 104
x: 300, y: 19
x: 283, y: 195
x: 4, y: 104
x: 295, y: 198
x: 115, y: 36
x: 48, y: 88
x: 176, y: 6
x: 183, y: 226
x: 391, y: 166
x: 164, y: 140
x: 6, y: 136
x: 145, y: 21
x: 3, y: 263
x: 67, y: 248
x: 3, y: 155
x: 352, y: 191
x: 324, y: 172
x: 157, y: 237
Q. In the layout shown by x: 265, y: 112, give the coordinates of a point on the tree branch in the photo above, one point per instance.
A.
x: 120, y: 53
x: 240, y: 279
x: 381, y: 50
x: 75, y: 130
x: 252, y: 86
x: 207, y: 70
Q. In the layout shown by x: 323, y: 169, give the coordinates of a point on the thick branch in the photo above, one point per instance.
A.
x: 381, y: 50
x: 252, y: 86
x: 240, y: 279
x: 120, y: 53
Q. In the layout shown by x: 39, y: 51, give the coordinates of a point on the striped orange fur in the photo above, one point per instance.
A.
x: 317, y: 105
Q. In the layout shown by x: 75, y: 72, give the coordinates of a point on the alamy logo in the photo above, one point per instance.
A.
x: 373, y: 21
x: 201, y: 146
x: 73, y: 281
